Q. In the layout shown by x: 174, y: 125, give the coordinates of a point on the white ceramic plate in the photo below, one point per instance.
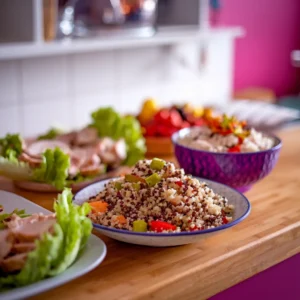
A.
x: 240, y: 202
x: 93, y: 255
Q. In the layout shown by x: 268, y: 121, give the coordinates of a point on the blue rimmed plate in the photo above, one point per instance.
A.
x: 240, y: 202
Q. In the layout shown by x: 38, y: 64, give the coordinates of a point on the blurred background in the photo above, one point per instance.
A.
x: 60, y: 60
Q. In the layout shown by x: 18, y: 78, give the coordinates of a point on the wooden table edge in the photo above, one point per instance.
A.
x: 198, y: 283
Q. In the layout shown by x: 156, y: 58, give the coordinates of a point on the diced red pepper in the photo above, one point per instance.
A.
x: 235, y: 149
x: 160, y: 226
x: 179, y: 183
x: 241, y: 140
x: 224, y: 220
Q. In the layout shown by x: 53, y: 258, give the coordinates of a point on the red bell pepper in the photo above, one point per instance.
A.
x: 224, y: 220
x: 160, y: 226
x: 235, y: 149
x: 179, y: 183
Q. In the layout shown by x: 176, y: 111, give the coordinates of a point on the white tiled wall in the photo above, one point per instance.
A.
x: 37, y: 93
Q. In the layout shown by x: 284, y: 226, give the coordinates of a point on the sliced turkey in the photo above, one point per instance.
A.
x: 111, y: 152
x: 13, y: 263
x: 86, y: 136
x: 31, y: 231
x: 31, y: 160
x: 67, y: 138
x: 22, y: 248
x: 15, y: 221
x: 6, y: 243
x: 39, y: 147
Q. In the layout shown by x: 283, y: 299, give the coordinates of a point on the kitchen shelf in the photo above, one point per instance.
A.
x: 164, y: 36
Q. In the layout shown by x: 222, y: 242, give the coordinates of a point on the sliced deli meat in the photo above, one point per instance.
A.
x: 13, y: 263
x: 120, y: 149
x: 67, y: 138
x: 15, y: 221
x: 33, y: 161
x: 6, y: 243
x: 32, y: 231
x: 22, y: 248
x: 39, y: 147
x: 86, y: 136
x: 110, y: 151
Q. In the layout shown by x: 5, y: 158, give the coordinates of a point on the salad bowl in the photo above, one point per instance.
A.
x: 240, y: 202
x: 238, y: 170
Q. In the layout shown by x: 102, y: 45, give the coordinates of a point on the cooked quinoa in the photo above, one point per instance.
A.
x: 203, y: 138
x: 222, y: 133
x: 160, y: 194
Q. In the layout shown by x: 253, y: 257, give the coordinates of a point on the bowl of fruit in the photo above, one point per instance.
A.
x: 160, y: 123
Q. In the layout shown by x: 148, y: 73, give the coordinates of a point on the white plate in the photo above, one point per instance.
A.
x: 240, y: 202
x: 92, y: 256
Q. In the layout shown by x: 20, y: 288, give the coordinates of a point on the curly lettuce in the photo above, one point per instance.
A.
x: 10, y: 166
x: 54, y: 253
x: 10, y: 146
x: 111, y: 124
x: 51, y: 134
x: 54, y: 168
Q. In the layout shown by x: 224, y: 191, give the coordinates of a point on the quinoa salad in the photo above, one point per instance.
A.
x: 226, y: 134
x: 158, y: 197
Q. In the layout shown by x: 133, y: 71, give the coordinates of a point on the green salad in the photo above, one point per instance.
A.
x: 64, y: 159
x: 55, y: 242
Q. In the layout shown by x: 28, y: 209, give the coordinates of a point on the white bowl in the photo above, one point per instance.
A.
x: 240, y: 202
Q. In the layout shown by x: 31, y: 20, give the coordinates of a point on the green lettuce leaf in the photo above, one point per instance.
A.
x: 39, y: 261
x: 76, y: 227
x: 51, y: 134
x: 54, y: 168
x: 55, y: 252
x: 11, y: 168
x: 10, y: 146
x: 10, y: 149
x: 109, y: 123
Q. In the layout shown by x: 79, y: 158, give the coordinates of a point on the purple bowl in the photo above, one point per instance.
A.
x: 238, y: 170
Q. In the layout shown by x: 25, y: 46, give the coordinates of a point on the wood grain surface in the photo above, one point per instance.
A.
x: 268, y: 236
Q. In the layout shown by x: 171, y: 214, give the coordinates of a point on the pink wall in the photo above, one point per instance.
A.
x: 272, y: 32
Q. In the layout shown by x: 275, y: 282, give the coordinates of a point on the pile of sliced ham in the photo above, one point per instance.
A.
x: 18, y: 239
x: 89, y: 154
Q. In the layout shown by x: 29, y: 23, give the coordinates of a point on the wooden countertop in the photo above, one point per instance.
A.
x: 268, y: 236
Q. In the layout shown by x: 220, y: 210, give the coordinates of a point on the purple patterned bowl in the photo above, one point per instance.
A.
x: 238, y: 170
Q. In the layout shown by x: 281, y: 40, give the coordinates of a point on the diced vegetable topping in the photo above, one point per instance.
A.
x: 118, y: 185
x: 140, y: 226
x: 225, y: 125
x: 136, y: 186
x: 153, y: 179
x: 121, y: 219
x: 98, y: 206
x: 225, y: 221
x: 157, y: 164
x: 179, y: 183
x: 160, y: 226
x: 235, y: 149
x: 133, y: 178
